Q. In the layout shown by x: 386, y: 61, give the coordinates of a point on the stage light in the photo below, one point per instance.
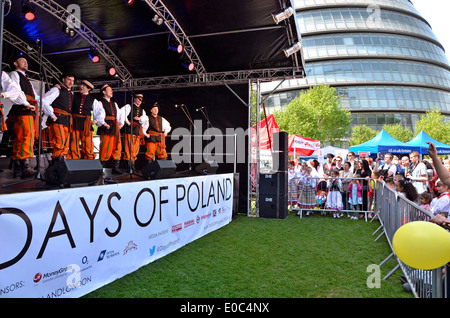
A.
x: 68, y: 31
x: 111, y: 71
x: 283, y: 15
x: 291, y: 50
x: 177, y: 48
x: 158, y: 20
x: 189, y: 65
x: 93, y: 55
x: 129, y: 2
x: 28, y: 11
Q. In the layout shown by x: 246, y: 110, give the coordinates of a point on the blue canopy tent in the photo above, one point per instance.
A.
x: 383, y: 142
x: 421, y: 140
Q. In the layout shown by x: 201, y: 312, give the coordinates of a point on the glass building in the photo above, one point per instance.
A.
x: 380, y: 55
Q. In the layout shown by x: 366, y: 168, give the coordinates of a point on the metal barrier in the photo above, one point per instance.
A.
x: 394, y: 210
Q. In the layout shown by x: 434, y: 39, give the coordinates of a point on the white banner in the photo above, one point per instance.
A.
x: 69, y: 242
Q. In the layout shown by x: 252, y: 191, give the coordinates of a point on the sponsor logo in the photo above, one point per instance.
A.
x: 189, y: 223
x: 131, y: 246
x: 107, y: 254
x: 176, y: 228
x: 152, y: 250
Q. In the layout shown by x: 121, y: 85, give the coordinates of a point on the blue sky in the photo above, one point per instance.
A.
x: 437, y: 13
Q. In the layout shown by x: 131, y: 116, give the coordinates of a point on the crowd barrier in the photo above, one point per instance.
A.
x: 392, y: 211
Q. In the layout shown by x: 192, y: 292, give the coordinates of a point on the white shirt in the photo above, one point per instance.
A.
x: 101, y: 114
x: 420, y: 171
x: 442, y: 204
x: 22, y: 99
x: 11, y: 90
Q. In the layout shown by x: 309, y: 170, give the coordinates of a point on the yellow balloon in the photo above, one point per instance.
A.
x: 422, y: 245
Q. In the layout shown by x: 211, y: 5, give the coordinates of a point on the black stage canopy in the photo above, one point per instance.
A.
x: 231, y: 42
x: 228, y: 40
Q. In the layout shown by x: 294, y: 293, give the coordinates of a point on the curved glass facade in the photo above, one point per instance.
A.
x: 381, y: 55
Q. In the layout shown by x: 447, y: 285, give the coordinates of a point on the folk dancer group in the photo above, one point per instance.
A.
x: 70, y: 117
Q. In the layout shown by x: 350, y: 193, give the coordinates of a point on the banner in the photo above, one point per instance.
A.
x: 69, y: 242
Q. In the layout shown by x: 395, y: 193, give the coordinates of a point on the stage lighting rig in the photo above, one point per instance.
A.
x: 111, y: 71
x: 283, y: 15
x: 94, y: 56
x: 291, y: 50
x: 158, y: 20
x: 28, y: 11
x: 187, y: 64
x: 177, y: 48
x: 129, y: 2
x: 69, y: 31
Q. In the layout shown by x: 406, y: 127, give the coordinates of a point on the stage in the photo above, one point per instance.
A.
x: 68, y: 242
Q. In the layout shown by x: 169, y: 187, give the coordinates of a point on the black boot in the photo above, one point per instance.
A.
x: 17, y: 171
x: 115, y: 169
x: 25, y: 167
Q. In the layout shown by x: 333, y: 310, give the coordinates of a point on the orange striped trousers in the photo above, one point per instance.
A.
x: 24, y: 135
x: 110, y: 145
x: 59, y: 135
x: 135, y: 147
x: 81, y: 145
x: 155, y: 148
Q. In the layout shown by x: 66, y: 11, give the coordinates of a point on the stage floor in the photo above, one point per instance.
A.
x: 8, y: 184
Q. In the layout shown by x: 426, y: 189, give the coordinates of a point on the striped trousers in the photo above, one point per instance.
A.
x: 60, y: 137
x: 135, y: 147
x: 110, y: 145
x: 81, y: 145
x: 24, y: 136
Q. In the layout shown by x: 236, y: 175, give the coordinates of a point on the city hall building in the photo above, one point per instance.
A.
x: 381, y: 55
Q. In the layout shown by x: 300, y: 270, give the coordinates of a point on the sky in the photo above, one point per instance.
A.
x: 436, y: 12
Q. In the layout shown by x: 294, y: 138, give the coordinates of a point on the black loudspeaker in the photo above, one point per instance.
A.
x: 273, y: 195
x: 273, y: 206
x: 208, y: 167
x: 159, y: 169
x: 280, y: 151
x: 273, y: 183
x: 74, y: 172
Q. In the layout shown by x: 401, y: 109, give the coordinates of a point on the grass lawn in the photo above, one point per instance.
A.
x: 314, y: 257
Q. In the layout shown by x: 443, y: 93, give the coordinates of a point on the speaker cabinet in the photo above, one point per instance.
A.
x: 280, y: 151
x: 159, y: 169
x: 273, y: 183
x: 74, y: 172
x: 273, y: 206
x: 208, y: 167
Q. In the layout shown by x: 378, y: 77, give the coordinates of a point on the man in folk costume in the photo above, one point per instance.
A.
x: 11, y: 91
x: 134, y: 127
x: 81, y: 135
x: 110, y: 121
x: 57, y: 106
x: 24, y: 115
x: 158, y: 128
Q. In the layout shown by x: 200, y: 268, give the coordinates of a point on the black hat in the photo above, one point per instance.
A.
x: 155, y: 105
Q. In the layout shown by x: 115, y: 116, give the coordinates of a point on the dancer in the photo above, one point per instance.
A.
x: 57, y: 106
x: 158, y: 128
x: 134, y: 127
x: 110, y: 121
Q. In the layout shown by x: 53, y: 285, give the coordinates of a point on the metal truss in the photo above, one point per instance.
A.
x: 33, y: 53
x: 63, y: 15
x: 235, y: 77
x: 179, y: 34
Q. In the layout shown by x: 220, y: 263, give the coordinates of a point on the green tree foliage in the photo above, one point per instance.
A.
x: 398, y: 132
x: 317, y: 114
x: 433, y: 124
x: 361, y: 134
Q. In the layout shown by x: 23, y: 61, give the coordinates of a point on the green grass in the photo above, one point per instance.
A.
x: 315, y: 257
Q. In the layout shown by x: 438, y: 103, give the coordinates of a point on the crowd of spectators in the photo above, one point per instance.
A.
x: 315, y: 186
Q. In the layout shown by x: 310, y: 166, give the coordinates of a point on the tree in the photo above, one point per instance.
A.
x: 361, y: 134
x: 317, y: 114
x: 433, y: 124
x: 399, y: 132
